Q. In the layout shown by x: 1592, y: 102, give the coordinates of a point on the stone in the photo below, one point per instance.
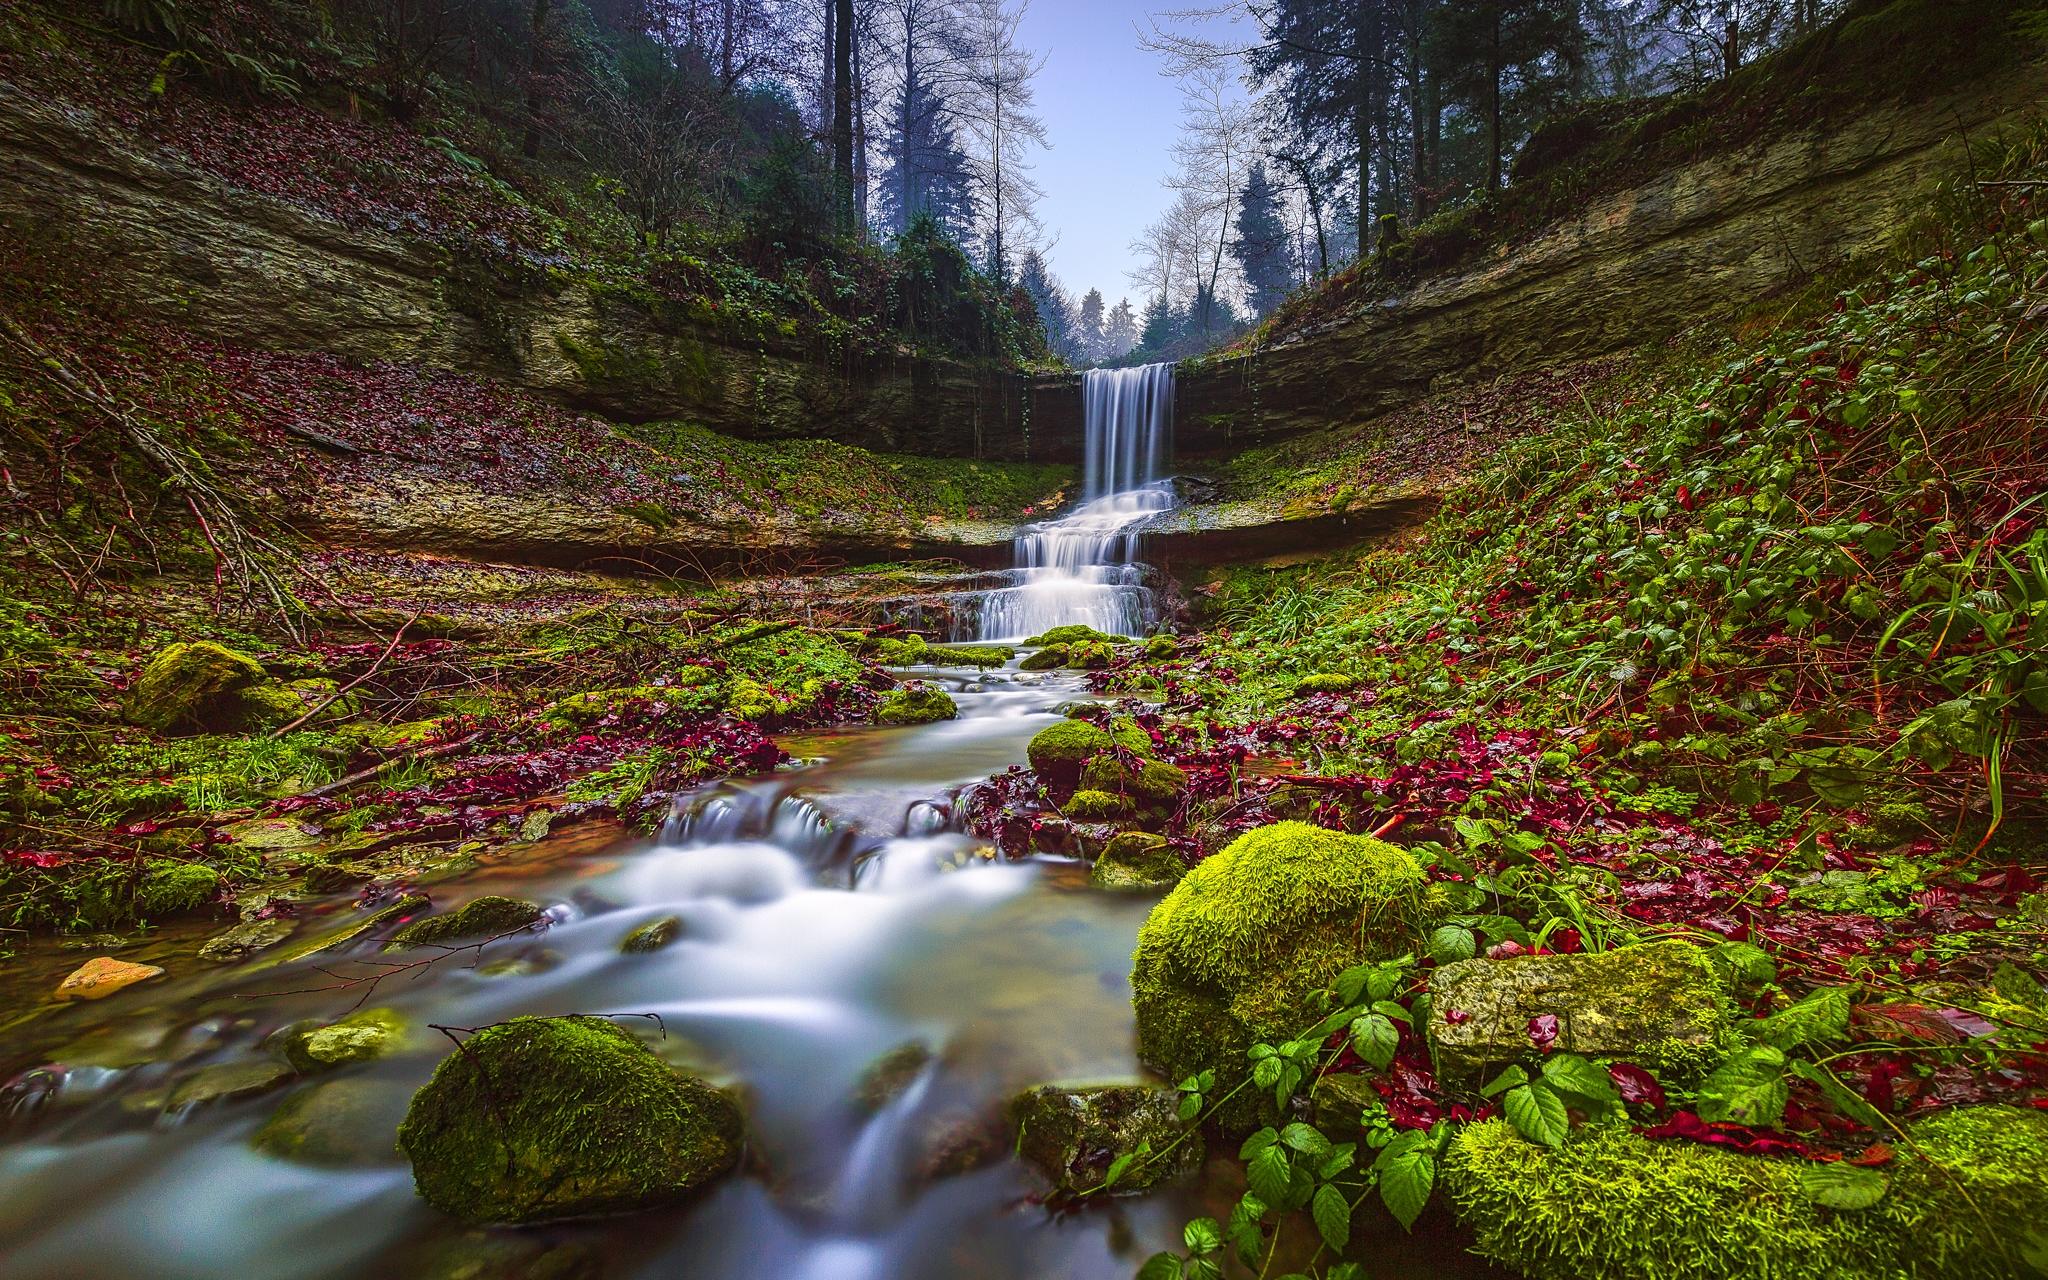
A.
x: 347, y: 1123
x: 652, y: 936
x: 1050, y: 658
x: 1072, y: 1134
x: 889, y: 1075
x: 1661, y: 1005
x: 480, y: 918
x: 274, y: 836
x: 543, y: 1118
x: 245, y: 940
x: 1147, y: 784
x: 1230, y: 957
x: 202, y: 687
x: 1137, y: 861
x: 915, y: 703
x: 102, y: 976
x: 228, y: 1080
x: 1094, y: 806
x: 1073, y: 633
x: 1059, y: 752
x: 363, y: 1036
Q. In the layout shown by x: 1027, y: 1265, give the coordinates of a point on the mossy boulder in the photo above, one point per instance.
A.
x: 1964, y: 1198
x: 363, y: 1036
x: 974, y: 655
x: 1229, y: 958
x: 1073, y: 633
x: 1059, y: 752
x: 479, y: 918
x: 342, y: 1123
x: 652, y: 936
x: 1137, y: 861
x: 916, y: 704
x: 1072, y: 1134
x: 902, y: 651
x: 1095, y: 806
x: 1088, y: 655
x: 1049, y: 658
x: 542, y: 1118
x: 888, y: 1076
x: 1146, y: 784
x: 202, y: 687
x: 1324, y: 682
x: 1160, y: 647
x: 1661, y: 1005
x: 176, y: 889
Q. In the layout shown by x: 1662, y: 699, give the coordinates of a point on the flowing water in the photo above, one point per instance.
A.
x: 1083, y: 567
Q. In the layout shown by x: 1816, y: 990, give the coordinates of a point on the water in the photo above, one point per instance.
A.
x: 1083, y: 567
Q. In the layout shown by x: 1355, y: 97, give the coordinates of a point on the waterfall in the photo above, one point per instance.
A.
x: 1083, y: 567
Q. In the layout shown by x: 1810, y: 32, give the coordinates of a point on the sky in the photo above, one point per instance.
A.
x: 1111, y: 118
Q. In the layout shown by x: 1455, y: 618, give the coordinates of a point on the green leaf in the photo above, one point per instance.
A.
x: 1267, y: 1071
x: 1452, y: 943
x: 1306, y: 1139
x: 1375, y: 1038
x: 1350, y: 984
x: 1507, y: 1079
x: 1202, y: 1235
x: 1332, y: 1214
x: 1257, y: 1142
x: 1405, y: 1186
x: 1160, y: 1266
x: 1340, y: 1158
x: 1345, y: 1271
x: 1749, y: 1089
x: 1118, y: 1167
x: 1842, y: 1186
x: 1575, y: 1077
x: 1388, y: 1009
x: 1538, y: 1114
x: 1822, y: 1018
x: 1270, y: 1176
x: 1190, y: 1107
x: 1743, y: 962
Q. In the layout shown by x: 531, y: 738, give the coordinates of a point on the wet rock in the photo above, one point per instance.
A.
x: 1095, y: 806
x: 102, y: 976
x: 203, y: 687
x: 274, y: 836
x: 916, y: 703
x: 363, y: 1036
x: 1073, y: 1134
x: 1230, y: 956
x: 889, y: 1075
x: 541, y: 1118
x: 480, y: 918
x: 226, y: 1081
x: 477, y: 1255
x: 1146, y: 784
x: 652, y: 936
x: 1061, y: 838
x: 245, y: 940
x: 1073, y: 633
x: 1339, y: 1100
x: 1661, y: 1005
x: 335, y: 877
x: 958, y: 1141
x: 1137, y: 861
x: 1050, y: 658
x: 1059, y: 752
x: 1160, y: 647
x: 343, y: 1123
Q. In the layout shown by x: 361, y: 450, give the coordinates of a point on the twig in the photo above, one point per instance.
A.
x: 383, y: 766
x: 338, y: 694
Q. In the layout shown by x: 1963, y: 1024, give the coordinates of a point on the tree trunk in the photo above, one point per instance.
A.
x: 529, y: 146
x: 1493, y: 105
x: 842, y: 110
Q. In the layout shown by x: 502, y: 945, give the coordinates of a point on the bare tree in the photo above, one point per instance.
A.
x: 1219, y: 136
x: 993, y: 96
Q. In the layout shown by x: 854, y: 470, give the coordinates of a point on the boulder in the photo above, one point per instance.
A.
x: 363, y: 1036
x: 1060, y: 751
x: 245, y: 940
x: 1088, y: 655
x: 915, y: 703
x: 1660, y: 1004
x: 485, y: 917
x: 340, y: 1124
x: 888, y: 1076
x: 542, y: 1118
x: 1095, y: 806
x: 102, y: 976
x: 203, y: 687
x: 1050, y: 658
x: 1146, y: 784
x: 1137, y: 861
x: 1072, y: 1134
x: 1230, y: 957
x: 652, y: 936
x: 1075, y: 632
x: 1959, y: 1198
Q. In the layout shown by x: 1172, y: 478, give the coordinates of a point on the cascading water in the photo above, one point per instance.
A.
x: 1083, y: 567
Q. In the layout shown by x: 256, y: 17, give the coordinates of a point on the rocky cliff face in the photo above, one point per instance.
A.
x: 245, y: 268
x: 1692, y: 243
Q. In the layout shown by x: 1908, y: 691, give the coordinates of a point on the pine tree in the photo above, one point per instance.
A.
x: 924, y: 169
x: 1261, y: 244
x: 1120, y: 332
x: 1055, y: 311
x: 1088, y: 335
x: 1163, y: 326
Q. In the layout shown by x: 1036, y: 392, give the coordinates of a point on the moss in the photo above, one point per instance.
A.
x: 1612, y: 1204
x: 1058, y: 752
x: 1073, y: 1134
x: 1151, y: 784
x: 652, y: 936
x: 915, y: 704
x: 541, y: 1118
x: 1230, y: 956
x: 203, y: 687
x: 484, y: 917
x: 1046, y: 659
x: 1324, y: 682
x: 1129, y: 735
x: 584, y: 709
x: 1095, y: 806
x: 1137, y: 860
x: 1072, y: 633
x: 360, y: 1037
x: 902, y: 651
x: 342, y: 1123
x: 750, y: 700
x: 1161, y: 646
x: 974, y: 655
x: 1088, y: 655
x: 174, y: 889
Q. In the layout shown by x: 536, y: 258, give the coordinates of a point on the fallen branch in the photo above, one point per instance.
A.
x: 386, y: 765
x: 338, y: 694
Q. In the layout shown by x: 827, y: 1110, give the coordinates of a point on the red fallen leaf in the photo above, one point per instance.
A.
x: 1689, y: 1127
x: 41, y: 858
x: 1685, y: 498
x: 1543, y: 1031
x: 1870, y: 1157
x: 1911, y: 1022
x: 1506, y: 950
x: 1457, y: 1017
x: 1567, y: 942
x: 1636, y: 1085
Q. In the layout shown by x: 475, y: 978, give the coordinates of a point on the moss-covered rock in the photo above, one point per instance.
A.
x: 1088, y: 655
x: 541, y: 1118
x: 888, y: 1076
x: 1059, y: 752
x: 342, y: 1123
x: 363, y: 1036
x: 1073, y: 633
x: 1073, y: 1134
x: 1049, y: 658
x: 974, y: 655
x: 1137, y: 861
x: 1661, y: 1004
x: 202, y: 687
x: 1965, y: 1196
x: 1229, y: 957
x: 1324, y: 682
x: 245, y: 940
x: 916, y: 704
x: 175, y: 889
x: 1161, y: 646
x: 652, y: 936
x: 1095, y: 806
x: 484, y: 917
x: 902, y: 651
x: 1146, y: 784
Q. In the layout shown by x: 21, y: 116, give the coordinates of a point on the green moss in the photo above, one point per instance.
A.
x: 1058, y: 752
x: 1230, y: 956
x: 1095, y: 806
x: 1072, y: 633
x: 652, y: 936
x: 484, y: 917
x: 1964, y: 1195
x: 1161, y: 646
x: 902, y: 651
x: 1151, y: 785
x: 916, y: 704
x: 360, y: 1037
x: 1324, y: 682
x: 1071, y: 1134
x: 541, y: 1118
x: 1088, y: 655
x: 1137, y: 860
x: 974, y: 655
x: 176, y: 888
x: 1046, y: 659
x: 203, y: 687
x: 584, y: 709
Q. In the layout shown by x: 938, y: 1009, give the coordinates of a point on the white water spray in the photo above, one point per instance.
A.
x: 1083, y: 567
